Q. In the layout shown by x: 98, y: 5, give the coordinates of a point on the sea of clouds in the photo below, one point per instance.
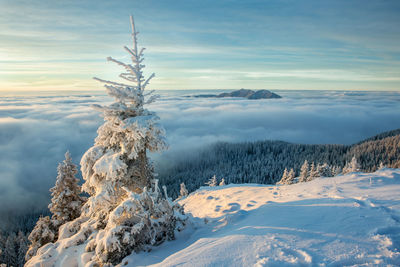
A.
x: 37, y: 129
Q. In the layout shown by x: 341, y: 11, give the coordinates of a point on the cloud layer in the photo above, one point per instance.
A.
x: 36, y: 130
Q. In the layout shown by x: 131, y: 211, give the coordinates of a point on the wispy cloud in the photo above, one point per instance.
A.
x: 268, y: 40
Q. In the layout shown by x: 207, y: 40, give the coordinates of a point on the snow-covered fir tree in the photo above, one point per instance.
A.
x: 287, y: 177
x: 336, y: 170
x: 290, y: 177
x: 22, y: 248
x: 66, y: 201
x: 381, y: 165
x: 324, y: 170
x: 213, y: 181
x: 13, y: 249
x: 284, y: 177
x: 126, y: 211
x: 43, y: 233
x: 352, y: 166
x: 10, y: 250
x: 355, y: 166
x: 222, y: 183
x: 304, y: 172
x: 183, y: 191
x: 312, y: 173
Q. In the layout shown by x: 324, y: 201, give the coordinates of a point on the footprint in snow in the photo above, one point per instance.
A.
x: 392, y: 240
x: 233, y: 207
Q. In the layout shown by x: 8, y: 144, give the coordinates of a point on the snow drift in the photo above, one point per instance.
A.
x: 345, y: 220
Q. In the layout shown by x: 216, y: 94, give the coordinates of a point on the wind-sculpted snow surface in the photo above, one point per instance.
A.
x: 345, y: 220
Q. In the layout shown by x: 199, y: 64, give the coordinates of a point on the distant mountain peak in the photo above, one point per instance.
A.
x: 246, y: 93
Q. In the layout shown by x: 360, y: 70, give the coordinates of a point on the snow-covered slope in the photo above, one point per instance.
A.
x: 346, y: 220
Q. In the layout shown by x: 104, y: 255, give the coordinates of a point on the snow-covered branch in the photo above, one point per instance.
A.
x: 110, y: 82
x: 148, y: 80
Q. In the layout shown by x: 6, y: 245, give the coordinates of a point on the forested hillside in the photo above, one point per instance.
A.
x: 264, y: 161
x: 260, y: 162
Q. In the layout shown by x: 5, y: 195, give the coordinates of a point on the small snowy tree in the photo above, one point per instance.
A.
x: 313, y: 173
x: 355, y: 166
x: 337, y: 170
x: 284, y: 177
x: 304, y: 172
x: 324, y: 170
x: 43, y: 233
x: 352, y: 166
x: 290, y: 177
x: 183, y: 191
x: 381, y: 166
x: 213, y: 181
x: 222, y: 183
x: 66, y: 201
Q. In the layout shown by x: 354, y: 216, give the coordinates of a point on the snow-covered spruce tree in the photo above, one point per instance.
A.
x: 126, y: 203
x: 66, y: 202
x: 183, y: 191
x: 336, y: 170
x: 284, y: 177
x: 312, y: 173
x: 213, y: 181
x: 355, y: 166
x: 352, y: 166
x: 44, y: 232
x: 381, y: 166
x: 290, y: 177
x: 222, y: 183
x: 304, y: 172
x: 324, y: 170
x: 126, y: 211
x: 10, y: 257
x: 22, y: 248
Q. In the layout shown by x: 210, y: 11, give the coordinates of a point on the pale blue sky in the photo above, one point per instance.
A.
x: 342, y: 45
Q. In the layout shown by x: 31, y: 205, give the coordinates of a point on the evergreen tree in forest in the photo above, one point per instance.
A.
x: 324, y: 170
x: 66, y: 201
x: 183, y: 192
x: 222, y: 183
x: 381, y: 166
x: 284, y: 177
x: 22, y: 243
x: 10, y: 253
x: 213, y: 181
x: 2, y: 246
x: 290, y: 177
x: 304, y: 172
x: 352, y: 166
x: 336, y: 170
x: 312, y: 173
x: 43, y: 233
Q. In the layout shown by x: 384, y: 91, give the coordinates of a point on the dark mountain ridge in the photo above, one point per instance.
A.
x: 245, y: 93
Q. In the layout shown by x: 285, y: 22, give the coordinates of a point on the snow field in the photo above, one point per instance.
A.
x: 349, y: 220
